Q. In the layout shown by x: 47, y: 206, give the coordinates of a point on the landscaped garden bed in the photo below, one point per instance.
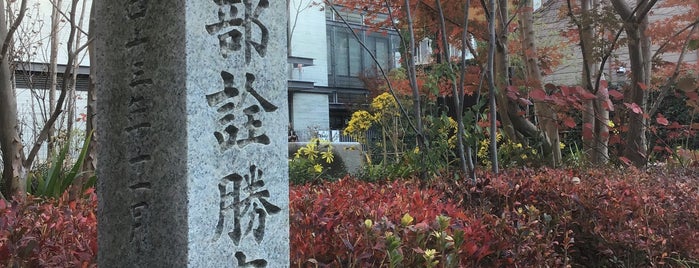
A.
x: 522, y: 217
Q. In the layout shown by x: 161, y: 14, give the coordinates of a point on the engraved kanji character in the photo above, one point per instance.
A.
x: 140, y: 214
x: 229, y: 102
x: 259, y: 263
x: 248, y: 204
x: 136, y: 9
x: 229, y: 37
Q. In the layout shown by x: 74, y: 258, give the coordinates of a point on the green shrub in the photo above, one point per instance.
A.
x: 52, y: 180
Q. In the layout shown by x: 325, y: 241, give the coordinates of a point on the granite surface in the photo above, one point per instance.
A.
x: 192, y: 116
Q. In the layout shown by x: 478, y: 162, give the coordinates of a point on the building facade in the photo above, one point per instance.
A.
x: 323, y: 94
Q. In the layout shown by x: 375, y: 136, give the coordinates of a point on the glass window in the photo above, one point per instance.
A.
x: 382, y: 53
x: 329, y: 42
x: 355, y: 56
x: 341, y: 54
x: 379, y: 47
x: 347, y: 57
x: 329, y: 14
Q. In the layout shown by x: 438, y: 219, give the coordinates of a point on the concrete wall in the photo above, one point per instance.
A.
x: 349, y: 157
x: 309, y: 111
x: 309, y: 40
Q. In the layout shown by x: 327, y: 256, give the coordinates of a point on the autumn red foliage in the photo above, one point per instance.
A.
x: 522, y: 217
x: 593, y: 218
x: 328, y: 223
x: 49, y: 233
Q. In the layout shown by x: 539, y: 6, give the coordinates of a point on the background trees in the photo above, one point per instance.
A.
x: 530, y: 112
x: 608, y: 36
x: 22, y: 47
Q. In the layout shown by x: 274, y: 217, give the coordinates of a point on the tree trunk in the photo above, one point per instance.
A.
x: 460, y: 131
x: 595, y: 113
x: 601, y: 130
x: 491, y: 83
x: 635, y: 137
x: 417, y: 109
x: 588, y: 114
x: 511, y: 121
x: 458, y: 94
x: 53, y: 75
x: 601, y: 115
x: 635, y: 24
x: 88, y: 165
x: 14, y: 174
x: 501, y: 75
x: 544, y: 111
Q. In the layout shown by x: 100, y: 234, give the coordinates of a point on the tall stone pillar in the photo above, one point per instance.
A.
x: 192, y: 116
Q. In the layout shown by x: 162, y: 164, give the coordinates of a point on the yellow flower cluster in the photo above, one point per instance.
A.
x: 484, y: 148
x: 318, y: 168
x: 449, y: 130
x: 359, y: 123
x: 384, y: 104
x: 312, y: 150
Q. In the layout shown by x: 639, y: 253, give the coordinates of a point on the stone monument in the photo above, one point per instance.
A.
x: 192, y: 117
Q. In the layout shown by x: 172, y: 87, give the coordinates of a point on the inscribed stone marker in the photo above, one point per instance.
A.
x: 192, y: 116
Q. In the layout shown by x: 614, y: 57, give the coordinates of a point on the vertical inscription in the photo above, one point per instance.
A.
x: 227, y: 30
x: 140, y: 215
x: 245, y: 198
x: 231, y: 102
x: 244, y: 207
x: 139, y: 128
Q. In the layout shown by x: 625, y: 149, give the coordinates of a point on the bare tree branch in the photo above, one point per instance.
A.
x: 63, y: 14
x: 11, y: 32
x: 671, y: 80
x: 43, y: 135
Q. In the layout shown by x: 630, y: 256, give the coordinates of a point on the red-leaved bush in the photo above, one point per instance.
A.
x: 519, y: 218
x: 349, y: 222
x: 49, y: 233
x: 522, y: 217
x: 618, y: 218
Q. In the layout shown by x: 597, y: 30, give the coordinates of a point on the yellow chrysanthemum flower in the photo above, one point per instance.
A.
x: 359, y: 123
x: 384, y: 104
x: 328, y: 156
x: 430, y: 253
x: 407, y: 219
